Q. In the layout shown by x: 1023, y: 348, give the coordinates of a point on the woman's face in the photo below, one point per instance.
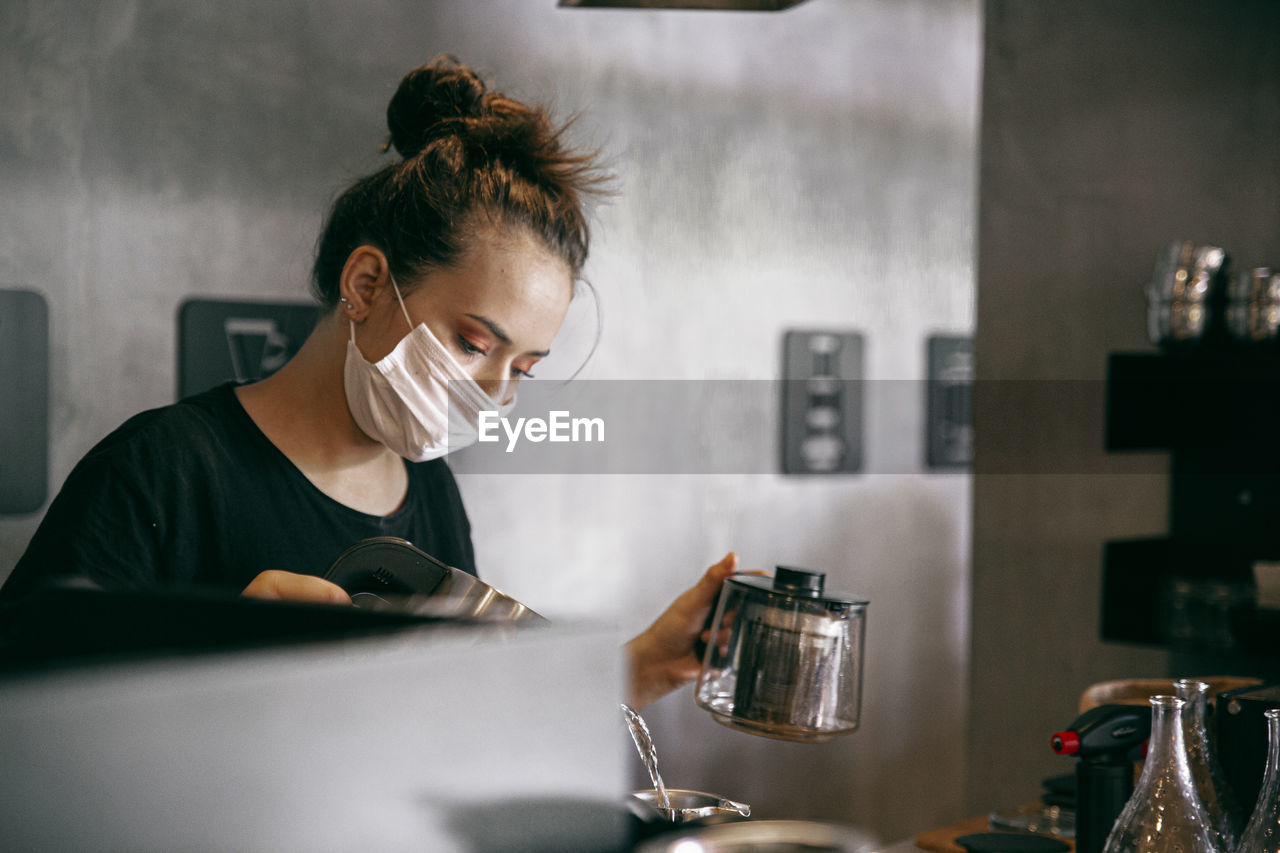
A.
x: 497, y: 311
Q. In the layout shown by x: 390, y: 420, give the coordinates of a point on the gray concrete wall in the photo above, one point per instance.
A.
x: 814, y: 168
x: 1108, y: 129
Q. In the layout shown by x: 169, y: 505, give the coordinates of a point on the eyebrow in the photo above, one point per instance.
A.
x: 501, y: 335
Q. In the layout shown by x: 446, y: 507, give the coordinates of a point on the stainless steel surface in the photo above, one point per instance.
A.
x: 387, y: 573
x: 463, y: 597
x: 688, y: 806
x: 414, y: 743
x: 765, y: 836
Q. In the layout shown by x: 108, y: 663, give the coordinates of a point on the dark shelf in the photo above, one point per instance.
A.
x: 1220, y: 401
x: 1217, y: 412
x: 1192, y: 596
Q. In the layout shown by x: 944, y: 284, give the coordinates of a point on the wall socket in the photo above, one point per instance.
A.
x: 821, y: 402
x: 24, y: 401
x: 949, y: 425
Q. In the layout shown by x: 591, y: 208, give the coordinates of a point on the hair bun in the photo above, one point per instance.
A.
x: 429, y: 99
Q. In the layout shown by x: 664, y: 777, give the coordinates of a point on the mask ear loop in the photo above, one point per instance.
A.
x: 403, y: 309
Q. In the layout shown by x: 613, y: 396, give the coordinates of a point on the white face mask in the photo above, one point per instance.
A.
x: 404, y: 399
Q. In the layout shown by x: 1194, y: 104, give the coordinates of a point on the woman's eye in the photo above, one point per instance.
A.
x: 468, y: 347
x: 523, y: 374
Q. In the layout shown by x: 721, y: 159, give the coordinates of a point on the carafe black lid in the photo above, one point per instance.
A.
x: 797, y: 585
x: 801, y: 581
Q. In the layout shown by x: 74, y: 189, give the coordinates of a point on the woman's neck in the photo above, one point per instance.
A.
x: 302, y: 409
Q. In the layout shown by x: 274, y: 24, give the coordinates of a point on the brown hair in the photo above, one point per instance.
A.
x: 469, y: 153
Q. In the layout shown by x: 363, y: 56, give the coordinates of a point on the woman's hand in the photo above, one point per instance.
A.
x: 286, y: 586
x: 662, y: 658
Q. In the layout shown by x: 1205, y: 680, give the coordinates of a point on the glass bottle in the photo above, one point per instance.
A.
x: 1225, y: 815
x: 1165, y: 814
x: 1262, y: 834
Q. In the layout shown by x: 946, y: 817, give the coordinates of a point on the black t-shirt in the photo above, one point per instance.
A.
x: 195, y: 495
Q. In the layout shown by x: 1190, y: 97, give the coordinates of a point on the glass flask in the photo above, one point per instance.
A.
x: 1165, y: 814
x: 1225, y: 815
x: 1262, y: 834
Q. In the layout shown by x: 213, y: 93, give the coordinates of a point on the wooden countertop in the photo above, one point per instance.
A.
x: 944, y: 840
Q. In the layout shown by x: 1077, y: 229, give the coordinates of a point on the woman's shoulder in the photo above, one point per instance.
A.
x: 210, y: 409
x: 196, y: 424
x: 149, y: 481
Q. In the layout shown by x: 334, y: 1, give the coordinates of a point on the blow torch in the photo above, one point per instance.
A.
x: 1106, y: 740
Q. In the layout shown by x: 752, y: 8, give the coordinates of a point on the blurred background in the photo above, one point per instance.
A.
x: 900, y: 170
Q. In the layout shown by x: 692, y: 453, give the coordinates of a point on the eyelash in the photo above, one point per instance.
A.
x: 468, y: 347
x: 471, y: 349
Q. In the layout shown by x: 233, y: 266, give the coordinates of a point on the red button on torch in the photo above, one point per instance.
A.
x: 1065, y: 743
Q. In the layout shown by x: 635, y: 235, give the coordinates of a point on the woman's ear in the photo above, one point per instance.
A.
x: 363, y: 282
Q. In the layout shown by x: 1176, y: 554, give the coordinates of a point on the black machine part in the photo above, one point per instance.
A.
x: 1011, y: 842
x: 1242, y: 736
x: 387, y: 566
x: 1105, y: 741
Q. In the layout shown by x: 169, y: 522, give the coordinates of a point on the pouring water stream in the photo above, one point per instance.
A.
x: 648, y: 754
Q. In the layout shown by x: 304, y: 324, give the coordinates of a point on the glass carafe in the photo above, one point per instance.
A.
x: 1165, y: 814
x: 1262, y: 833
x: 1225, y: 815
x: 786, y: 658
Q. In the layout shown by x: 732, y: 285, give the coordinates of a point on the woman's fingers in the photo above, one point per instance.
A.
x: 275, y: 585
x: 708, y: 586
x: 716, y: 574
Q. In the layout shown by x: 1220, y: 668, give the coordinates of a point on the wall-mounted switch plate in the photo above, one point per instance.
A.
x: 221, y: 340
x: 949, y: 425
x: 821, y: 402
x: 24, y: 401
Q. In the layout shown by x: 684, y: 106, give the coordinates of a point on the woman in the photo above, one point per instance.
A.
x: 445, y: 277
